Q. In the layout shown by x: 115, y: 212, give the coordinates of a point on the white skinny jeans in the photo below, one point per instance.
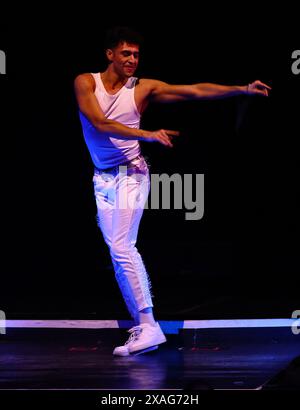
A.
x: 121, y: 193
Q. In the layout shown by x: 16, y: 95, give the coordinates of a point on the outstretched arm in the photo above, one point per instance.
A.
x: 163, y: 92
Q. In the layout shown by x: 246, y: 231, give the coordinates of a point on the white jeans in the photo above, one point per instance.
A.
x: 120, y: 195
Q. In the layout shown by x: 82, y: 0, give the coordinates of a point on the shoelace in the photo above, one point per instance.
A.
x: 135, y: 332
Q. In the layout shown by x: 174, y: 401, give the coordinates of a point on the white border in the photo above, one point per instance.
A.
x: 167, y: 326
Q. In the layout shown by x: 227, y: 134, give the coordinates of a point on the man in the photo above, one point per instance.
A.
x: 110, y: 107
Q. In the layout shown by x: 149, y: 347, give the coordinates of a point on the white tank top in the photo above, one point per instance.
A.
x: 107, y: 151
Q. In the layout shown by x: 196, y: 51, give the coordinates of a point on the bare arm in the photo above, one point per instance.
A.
x: 88, y: 104
x: 84, y: 86
x: 163, y: 92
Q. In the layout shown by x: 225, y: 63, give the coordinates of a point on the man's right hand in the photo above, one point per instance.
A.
x: 162, y: 136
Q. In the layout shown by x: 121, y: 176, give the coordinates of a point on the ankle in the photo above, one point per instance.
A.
x: 146, y: 316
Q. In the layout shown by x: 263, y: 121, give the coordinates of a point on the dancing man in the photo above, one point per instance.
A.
x: 110, y: 107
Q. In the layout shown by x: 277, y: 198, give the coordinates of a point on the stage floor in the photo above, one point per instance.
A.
x: 193, y: 359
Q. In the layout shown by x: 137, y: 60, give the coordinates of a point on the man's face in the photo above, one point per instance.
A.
x: 125, y: 58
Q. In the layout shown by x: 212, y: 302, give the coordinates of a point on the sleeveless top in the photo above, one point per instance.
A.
x: 107, y: 151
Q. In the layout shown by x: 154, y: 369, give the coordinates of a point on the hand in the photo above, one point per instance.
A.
x: 162, y: 136
x: 258, y: 88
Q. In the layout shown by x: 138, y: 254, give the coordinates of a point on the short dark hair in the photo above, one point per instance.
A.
x: 116, y: 35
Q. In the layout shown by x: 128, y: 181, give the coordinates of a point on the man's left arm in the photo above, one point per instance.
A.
x: 163, y: 92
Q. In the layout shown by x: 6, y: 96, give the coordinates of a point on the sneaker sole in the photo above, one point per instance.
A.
x: 123, y: 354
x: 137, y: 352
x: 148, y: 347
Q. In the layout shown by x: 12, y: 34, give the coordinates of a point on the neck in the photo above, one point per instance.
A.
x: 113, y: 79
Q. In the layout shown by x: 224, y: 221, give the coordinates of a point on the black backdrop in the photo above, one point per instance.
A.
x: 241, y: 259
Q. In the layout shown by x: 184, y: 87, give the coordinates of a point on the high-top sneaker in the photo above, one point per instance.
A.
x: 142, y: 339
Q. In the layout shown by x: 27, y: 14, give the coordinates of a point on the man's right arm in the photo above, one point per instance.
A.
x: 84, y: 86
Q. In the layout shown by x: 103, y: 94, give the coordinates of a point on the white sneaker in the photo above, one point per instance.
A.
x: 143, y: 338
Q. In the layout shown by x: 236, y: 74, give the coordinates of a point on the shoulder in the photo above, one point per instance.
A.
x: 84, y: 82
x: 149, y: 83
x: 149, y: 86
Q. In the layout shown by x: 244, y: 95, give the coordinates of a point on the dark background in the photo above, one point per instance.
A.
x: 241, y: 260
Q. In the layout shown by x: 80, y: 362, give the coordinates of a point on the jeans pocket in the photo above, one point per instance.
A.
x: 99, y: 182
x: 138, y: 166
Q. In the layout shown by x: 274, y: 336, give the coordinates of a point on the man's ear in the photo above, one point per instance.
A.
x: 109, y: 54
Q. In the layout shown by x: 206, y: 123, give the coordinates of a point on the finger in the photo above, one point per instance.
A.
x: 174, y: 133
x: 261, y: 92
x: 164, y: 139
x: 169, y: 143
x: 165, y: 136
x: 264, y: 85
